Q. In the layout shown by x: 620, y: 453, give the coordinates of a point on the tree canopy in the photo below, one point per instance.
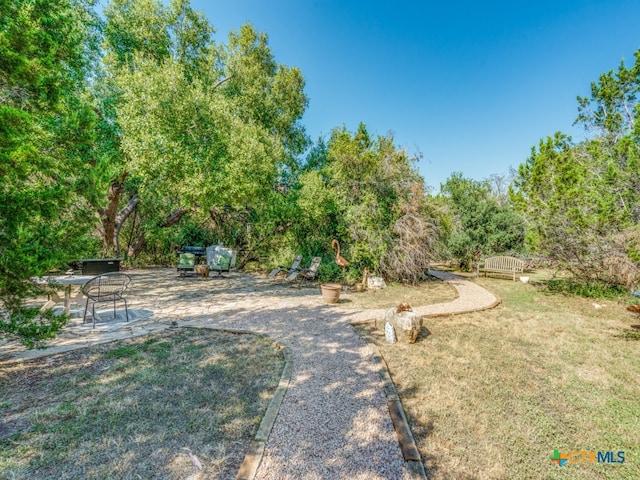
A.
x: 201, y: 125
x: 583, y: 200
x: 366, y: 193
x: 136, y: 133
x: 484, y: 223
x: 47, y: 50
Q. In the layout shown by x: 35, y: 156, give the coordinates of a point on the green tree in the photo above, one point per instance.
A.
x: 366, y: 193
x: 583, y: 200
x: 611, y: 110
x: 203, y: 126
x: 483, y: 224
x: 47, y: 49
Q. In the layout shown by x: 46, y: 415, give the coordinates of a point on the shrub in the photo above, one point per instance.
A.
x: 32, y: 327
x: 582, y: 288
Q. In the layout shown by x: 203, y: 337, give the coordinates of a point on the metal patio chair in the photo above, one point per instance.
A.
x: 108, y: 287
x: 221, y: 263
x: 186, y: 264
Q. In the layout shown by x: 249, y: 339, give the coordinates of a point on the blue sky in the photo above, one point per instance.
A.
x: 472, y: 86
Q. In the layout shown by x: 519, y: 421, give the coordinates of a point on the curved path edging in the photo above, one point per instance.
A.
x: 412, y: 458
x: 253, y: 457
x: 471, y: 298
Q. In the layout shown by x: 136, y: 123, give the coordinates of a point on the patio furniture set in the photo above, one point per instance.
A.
x: 105, y: 287
x: 198, y: 261
x: 110, y: 286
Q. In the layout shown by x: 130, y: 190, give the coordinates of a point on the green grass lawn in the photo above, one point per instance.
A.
x: 491, y: 395
x: 131, y: 408
x: 425, y: 293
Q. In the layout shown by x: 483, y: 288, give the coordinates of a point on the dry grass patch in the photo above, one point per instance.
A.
x: 426, y: 293
x: 132, y: 408
x: 490, y: 395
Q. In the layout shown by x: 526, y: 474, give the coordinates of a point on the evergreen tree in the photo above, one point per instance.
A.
x: 583, y: 200
x: 46, y: 52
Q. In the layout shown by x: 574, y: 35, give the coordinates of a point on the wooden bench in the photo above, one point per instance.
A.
x: 501, y: 265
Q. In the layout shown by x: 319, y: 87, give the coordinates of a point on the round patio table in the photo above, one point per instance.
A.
x: 67, y: 281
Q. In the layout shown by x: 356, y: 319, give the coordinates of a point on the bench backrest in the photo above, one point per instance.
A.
x: 504, y: 263
x: 108, y: 286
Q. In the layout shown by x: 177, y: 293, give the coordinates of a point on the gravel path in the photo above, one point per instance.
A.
x: 471, y: 298
x: 333, y: 422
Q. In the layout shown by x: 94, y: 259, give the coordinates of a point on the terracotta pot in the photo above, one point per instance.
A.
x: 331, y: 292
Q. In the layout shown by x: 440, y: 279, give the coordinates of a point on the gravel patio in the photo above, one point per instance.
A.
x: 333, y: 422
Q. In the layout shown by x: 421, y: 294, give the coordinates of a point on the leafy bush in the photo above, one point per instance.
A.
x: 589, y: 289
x: 194, y: 234
x: 484, y: 223
x: 328, y: 271
x: 32, y: 327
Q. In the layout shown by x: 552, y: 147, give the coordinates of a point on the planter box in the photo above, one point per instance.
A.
x: 96, y: 266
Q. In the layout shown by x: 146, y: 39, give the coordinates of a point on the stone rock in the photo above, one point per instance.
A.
x: 389, y: 333
x: 389, y: 314
x: 374, y: 283
x: 388, y: 317
x: 407, y: 325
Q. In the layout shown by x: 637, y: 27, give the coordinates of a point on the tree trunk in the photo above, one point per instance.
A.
x: 121, y: 218
x: 108, y: 214
x: 112, y: 220
x: 249, y: 253
x: 137, y: 246
x: 176, y: 216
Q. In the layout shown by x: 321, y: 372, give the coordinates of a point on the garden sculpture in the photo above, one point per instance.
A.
x: 340, y: 261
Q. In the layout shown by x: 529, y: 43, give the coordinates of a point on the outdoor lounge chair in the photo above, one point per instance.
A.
x: 306, y: 274
x: 295, y: 265
x: 220, y: 259
x: 221, y: 263
x: 108, y: 287
x: 186, y: 264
